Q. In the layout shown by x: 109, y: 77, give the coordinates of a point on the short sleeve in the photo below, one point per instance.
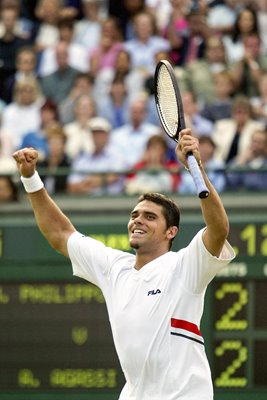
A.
x: 91, y: 259
x: 199, y: 267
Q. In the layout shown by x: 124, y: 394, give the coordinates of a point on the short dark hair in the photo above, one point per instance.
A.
x: 171, y: 211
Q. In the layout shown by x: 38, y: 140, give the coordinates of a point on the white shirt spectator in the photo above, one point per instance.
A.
x: 143, y: 54
x: 161, y: 9
x: 78, y: 59
x: 87, y: 34
x: 132, y: 141
x: 17, y: 120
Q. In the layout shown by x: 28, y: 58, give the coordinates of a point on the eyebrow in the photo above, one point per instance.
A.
x: 135, y: 212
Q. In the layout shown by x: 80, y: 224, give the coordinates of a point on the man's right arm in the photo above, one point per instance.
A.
x: 53, y: 224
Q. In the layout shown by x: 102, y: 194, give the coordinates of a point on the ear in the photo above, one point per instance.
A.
x: 172, y: 232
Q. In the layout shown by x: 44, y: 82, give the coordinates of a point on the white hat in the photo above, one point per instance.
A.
x: 99, y: 124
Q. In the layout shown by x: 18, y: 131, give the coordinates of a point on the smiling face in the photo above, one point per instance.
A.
x: 148, y: 231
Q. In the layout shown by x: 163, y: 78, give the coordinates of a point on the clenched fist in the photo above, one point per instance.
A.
x: 26, y: 160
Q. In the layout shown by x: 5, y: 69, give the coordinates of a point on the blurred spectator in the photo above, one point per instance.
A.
x: 24, y: 27
x: 152, y: 113
x: 134, y: 79
x: 176, y: 29
x: 261, y: 10
x: 71, y: 9
x: 25, y: 66
x: 198, y: 32
x: 7, y: 163
x: 200, y: 125
x: 220, y: 107
x: 105, y: 53
x: 83, y: 85
x: 254, y: 158
x: 247, y: 71
x: 10, y: 42
x: 149, y: 81
x: 38, y: 139
x: 143, y: 47
x: 131, y: 138
x: 214, y: 168
x: 246, y: 23
x: 114, y: 106
x: 2, y: 106
x: 23, y: 114
x: 78, y: 57
x: 232, y: 136
x: 154, y: 172
x: 126, y: 10
x: 259, y: 103
x: 161, y: 10
x: 8, y: 190
x: 79, y: 137
x: 58, y: 85
x: 197, y: 76
x: 95, y: 172
x: 222, y: 16
x: 56, y: 160
x: 87, y: 30
x: 48, y: 14
x: 28, y: 17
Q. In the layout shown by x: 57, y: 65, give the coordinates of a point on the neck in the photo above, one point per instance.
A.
x: 144, y: 258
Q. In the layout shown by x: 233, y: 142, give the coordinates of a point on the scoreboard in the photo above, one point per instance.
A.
x: 55, y: 338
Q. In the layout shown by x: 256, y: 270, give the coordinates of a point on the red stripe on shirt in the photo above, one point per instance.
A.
x: 186, y: 325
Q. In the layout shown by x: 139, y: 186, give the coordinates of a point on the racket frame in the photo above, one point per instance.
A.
x: 201, y: 187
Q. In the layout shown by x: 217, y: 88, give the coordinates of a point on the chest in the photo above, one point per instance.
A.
x: 144, y: 297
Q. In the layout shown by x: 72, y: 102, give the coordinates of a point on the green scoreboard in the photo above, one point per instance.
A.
x: 55, y: 338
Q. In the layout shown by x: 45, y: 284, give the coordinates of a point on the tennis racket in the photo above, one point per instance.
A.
x: 170, y: 110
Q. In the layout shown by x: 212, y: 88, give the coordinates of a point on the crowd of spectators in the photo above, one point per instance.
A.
x: 76, y: 83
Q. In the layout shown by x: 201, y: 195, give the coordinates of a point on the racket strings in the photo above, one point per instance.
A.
x: 167, y: 102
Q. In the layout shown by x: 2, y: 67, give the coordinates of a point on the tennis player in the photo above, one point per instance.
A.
x: 155, y: 297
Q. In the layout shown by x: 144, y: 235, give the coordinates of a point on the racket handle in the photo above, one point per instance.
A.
x: 198, y: 179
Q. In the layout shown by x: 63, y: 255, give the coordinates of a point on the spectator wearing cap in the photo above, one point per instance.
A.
x: 96, y: 172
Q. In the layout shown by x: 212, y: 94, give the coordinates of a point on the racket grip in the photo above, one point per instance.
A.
x: 198, y: 179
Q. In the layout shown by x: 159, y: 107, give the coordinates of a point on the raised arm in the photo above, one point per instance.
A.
x: 53, y: 224
x: 212, y: 207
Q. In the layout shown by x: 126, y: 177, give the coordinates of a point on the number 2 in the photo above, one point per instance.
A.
x: 227, y: 321
x: 226, y: 378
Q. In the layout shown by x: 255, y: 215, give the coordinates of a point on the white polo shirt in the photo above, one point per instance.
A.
x: 155, y: 315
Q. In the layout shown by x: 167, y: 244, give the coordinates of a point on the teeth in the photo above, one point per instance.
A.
x: 138, y: 231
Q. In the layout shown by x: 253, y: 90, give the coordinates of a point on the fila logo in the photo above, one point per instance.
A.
x: 153, y: 292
